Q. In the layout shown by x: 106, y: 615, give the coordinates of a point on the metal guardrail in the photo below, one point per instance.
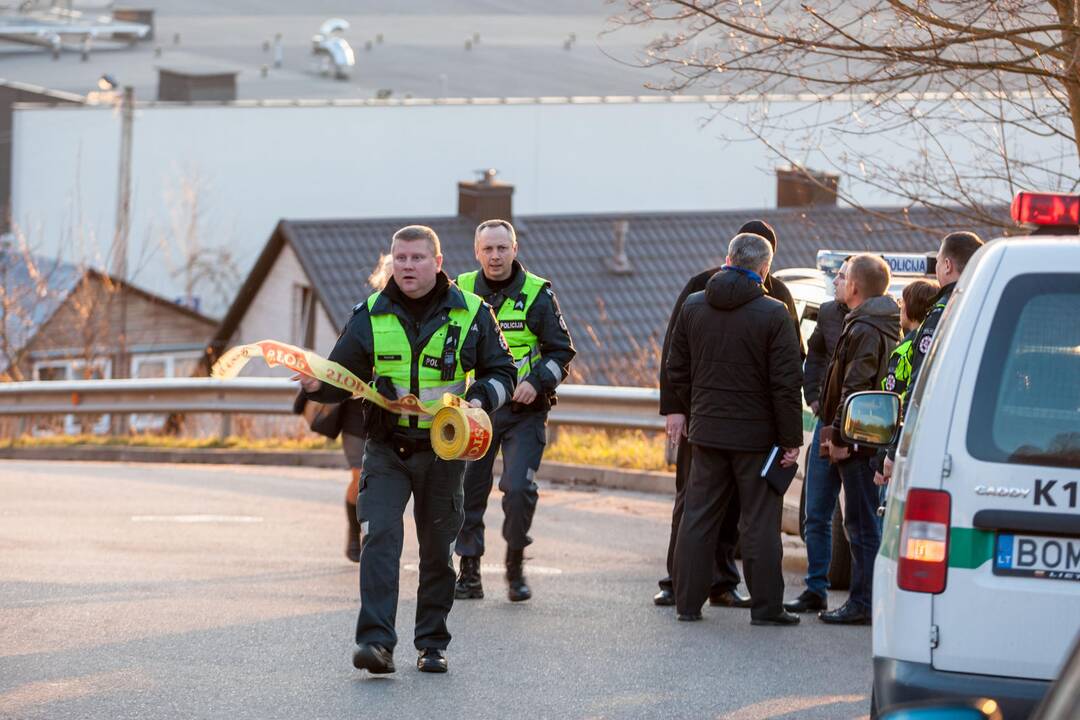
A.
x: 590, y: 405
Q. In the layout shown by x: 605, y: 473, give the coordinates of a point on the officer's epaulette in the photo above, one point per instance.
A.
x: 358, y: 307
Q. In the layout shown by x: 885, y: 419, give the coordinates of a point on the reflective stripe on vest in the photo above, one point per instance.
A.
x: 394, y: 357
x: 524, y: 345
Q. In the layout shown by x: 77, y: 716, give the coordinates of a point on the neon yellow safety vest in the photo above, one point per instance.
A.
x: 524, y: 345
x: 422, y: 376
x: 899, y: 373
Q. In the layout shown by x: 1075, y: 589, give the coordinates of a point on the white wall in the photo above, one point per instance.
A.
x: 269, y: 315
x: 253, y: 164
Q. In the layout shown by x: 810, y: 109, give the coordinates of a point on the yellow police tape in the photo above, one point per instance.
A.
x: 458, y: 431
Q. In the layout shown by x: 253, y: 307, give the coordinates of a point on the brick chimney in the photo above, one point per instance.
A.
x: 799, y: 187
x: 486, y: 198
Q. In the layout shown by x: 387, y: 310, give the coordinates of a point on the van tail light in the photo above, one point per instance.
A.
x: 1048, y: 209
x: 924, y: 541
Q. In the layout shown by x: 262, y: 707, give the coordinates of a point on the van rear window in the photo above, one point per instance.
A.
x: 1027, y: 396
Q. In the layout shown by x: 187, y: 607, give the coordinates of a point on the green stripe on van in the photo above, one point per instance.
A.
x: 970, y: 548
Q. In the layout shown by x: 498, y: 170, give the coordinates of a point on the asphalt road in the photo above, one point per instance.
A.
x: 132, y: 591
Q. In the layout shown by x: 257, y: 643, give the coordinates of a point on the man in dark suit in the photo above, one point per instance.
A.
x: 735, y: 363
x: 724, y: 590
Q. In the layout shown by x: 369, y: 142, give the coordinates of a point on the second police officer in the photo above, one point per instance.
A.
x: 529, y: 317
x: 420, y: 335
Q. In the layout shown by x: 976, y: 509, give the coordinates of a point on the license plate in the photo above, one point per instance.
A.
x: 1050, y: 558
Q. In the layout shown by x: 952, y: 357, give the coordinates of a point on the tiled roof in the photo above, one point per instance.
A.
x: 35, y: 288
x: 617, y: 321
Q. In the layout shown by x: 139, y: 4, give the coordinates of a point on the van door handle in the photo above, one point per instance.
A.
x: 1028, y: 521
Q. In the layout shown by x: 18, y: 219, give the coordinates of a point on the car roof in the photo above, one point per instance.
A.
x: 811, y: 285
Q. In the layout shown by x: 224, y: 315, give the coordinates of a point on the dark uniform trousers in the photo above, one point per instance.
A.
x: 715, y: 477
x: 725, y: 571
x: 386, y: 483
x: 522, y: 437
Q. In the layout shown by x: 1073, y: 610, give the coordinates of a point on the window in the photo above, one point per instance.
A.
x: 303, y: 316
x: 157, y: 367
x: 56, y: 370
x: 51, y: 372
x: 1026, y: 408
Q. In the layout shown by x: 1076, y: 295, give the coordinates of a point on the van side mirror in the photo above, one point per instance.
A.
x: 871, y: 418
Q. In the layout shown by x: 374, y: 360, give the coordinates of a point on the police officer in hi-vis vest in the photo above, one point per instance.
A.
x: 420, y: 335
x: 529, y: 317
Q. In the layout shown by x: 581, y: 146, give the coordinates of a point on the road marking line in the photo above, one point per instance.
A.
x: 530, y: 569
x: 788, y: 705
x: 34, y: 695
x: 197, y: 518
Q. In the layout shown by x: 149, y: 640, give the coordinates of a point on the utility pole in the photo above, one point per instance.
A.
x: 122, y: 364
x: 123, y: 223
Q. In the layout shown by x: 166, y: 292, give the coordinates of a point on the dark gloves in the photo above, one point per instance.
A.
x: 380, y: 423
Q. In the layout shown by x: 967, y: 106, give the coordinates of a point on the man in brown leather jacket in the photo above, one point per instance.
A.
x: 860, y: 361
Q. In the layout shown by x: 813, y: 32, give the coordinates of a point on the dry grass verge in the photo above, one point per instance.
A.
x: 631, y: 449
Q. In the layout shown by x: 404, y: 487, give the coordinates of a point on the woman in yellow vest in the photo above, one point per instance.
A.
x: 420, y: 335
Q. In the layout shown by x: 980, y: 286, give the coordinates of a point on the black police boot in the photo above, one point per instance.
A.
x: 432, y: 660
x: 352, y: 537
x: 664, y: 597
x: 374, y: 658
x: 809, y: 601
x: 468, y: 586
x: 519, y: 591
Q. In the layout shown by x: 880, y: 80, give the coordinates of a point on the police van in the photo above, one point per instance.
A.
x: 977, y: 582
x: 810, y: 288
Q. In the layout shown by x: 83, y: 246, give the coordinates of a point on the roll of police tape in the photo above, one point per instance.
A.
x: 461, y: 432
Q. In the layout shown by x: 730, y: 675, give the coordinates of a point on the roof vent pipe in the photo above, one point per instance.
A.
x: 619, y: 263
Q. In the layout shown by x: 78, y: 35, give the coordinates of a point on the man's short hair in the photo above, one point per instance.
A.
x: 919, y: 298
x: 762, y: 228
x: 495, y: 223
x: 870, y: 273
x: 749, y: 251
x: 410, y: 233
x: 959, y: 247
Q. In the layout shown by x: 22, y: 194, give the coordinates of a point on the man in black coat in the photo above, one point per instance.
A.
x: 859, y: 362
x: 726, y: 574
x: 735, y: 362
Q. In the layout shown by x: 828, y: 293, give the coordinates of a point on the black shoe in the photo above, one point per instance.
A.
x: 664, y: 598
x: 374, y: 658
x: 518, y: 590
x: 468, y: 586
x: 730, y: 598
x: 809, y: 601
x: 432, y: 660
x: 781, y: 618
x: 846, y: 614
x: 688, y: 617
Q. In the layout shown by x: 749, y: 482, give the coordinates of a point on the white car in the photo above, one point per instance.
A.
x: 977, y: 582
